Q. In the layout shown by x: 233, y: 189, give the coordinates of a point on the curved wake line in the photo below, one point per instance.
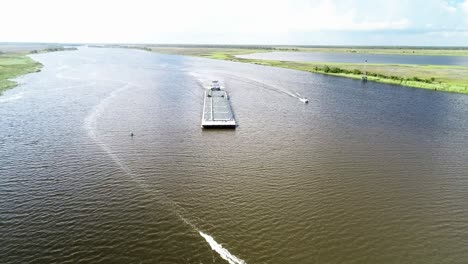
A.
x: 268, y: 87
x: 206, y: 84
x: 12, y: 98
x: 90, y: 126
x: 223, y: 253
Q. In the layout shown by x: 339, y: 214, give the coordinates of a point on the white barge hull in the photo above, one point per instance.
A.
x: 217, y: 112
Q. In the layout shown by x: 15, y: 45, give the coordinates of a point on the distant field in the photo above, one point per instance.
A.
x: 196, y: 49
x: 399, y: 51
x: 440, y: 78
x: 214, y: 53
x: 13, y: 65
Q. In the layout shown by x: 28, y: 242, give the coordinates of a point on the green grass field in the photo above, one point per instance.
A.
x: 440, y: 78
x: 13, y: 65
x: 15, y: 62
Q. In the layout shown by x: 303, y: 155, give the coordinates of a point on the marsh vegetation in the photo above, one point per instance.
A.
x: 14, y: 61
x: 13, y: 65
x: 434, y: 77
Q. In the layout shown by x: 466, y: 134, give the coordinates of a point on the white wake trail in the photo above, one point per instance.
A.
x: 269, y: 87
x: 90, y: 126
x: 223, y: 253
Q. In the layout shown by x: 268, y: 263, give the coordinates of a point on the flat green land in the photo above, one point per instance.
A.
x: 16, y: 62
x: 13, y: 65
x: 434, y: 77
x: 200, y: 49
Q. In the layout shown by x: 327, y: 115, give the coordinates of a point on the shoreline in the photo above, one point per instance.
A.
x: 354, y: 71
x: 430, y: 77
x: 452, y: 79
x: 15, y: 64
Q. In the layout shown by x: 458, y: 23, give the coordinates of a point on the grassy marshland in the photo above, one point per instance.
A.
x: 434, y: 77
x: 16, y: 63
x: 13, y: 65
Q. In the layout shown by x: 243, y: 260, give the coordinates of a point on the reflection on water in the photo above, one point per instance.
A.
x: 362, y: 174
x: 360, y: 58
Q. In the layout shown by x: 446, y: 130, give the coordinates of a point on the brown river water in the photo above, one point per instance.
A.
x: 364, y: 173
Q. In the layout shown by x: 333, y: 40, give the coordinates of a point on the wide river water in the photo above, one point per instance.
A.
x: 359, y: 58
x: 364, y: 173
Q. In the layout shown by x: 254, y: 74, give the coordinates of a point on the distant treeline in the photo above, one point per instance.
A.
x: 276, y: 47
x: 135, y: 47
x: 52, y: 49
x: 148, y: 47
x: 120, y: 46
x: 259, y: 47
x: 296, y: 47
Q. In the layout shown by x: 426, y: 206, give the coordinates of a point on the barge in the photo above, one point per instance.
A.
x: 217, y: 111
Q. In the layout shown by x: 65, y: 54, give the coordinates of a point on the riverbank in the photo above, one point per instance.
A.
x: 13, y: 65
x: 438, y: 78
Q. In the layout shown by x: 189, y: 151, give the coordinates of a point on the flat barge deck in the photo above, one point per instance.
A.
x: 217, y: 112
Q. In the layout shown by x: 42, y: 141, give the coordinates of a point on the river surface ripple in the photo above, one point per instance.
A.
x: 364, y: 173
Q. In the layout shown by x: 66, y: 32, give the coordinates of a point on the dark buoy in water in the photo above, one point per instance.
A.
x: 364, y: 74
x: 131, y: 134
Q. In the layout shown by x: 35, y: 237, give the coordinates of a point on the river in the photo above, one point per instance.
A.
x: 364, y: 173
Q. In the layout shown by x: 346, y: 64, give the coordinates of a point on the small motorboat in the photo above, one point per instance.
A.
x: 305, y: 100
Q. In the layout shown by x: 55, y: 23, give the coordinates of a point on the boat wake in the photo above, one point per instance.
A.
x: 299, y: 96
x: 223, y: 253
x: 205, y: 81
x: 11, y: 98
x: 270, y: 87
x: 90, y: 124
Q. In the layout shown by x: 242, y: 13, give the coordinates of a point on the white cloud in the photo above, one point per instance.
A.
x: 448, y: 34
x: 448, y: 8
x: 464, y: 7
x: 208, y: 20
x: 331, y: 15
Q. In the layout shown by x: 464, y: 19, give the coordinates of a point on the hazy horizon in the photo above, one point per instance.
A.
x: 230, y: 44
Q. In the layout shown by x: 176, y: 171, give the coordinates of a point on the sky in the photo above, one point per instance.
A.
x: 285, y: 22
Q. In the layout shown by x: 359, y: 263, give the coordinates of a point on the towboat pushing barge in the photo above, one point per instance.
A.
x: 217, y: 112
